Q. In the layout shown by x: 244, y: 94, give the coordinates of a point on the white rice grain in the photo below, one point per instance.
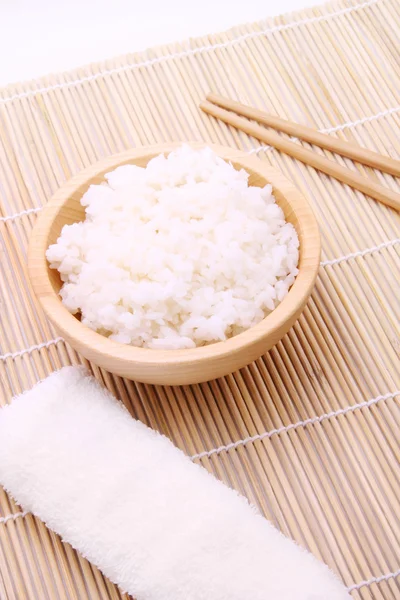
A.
x: 176, y: 255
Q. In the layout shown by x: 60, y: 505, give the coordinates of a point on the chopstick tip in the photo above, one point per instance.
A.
x: 204, y: 105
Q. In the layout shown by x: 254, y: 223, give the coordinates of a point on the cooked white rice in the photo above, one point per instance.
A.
x: 176, y: 255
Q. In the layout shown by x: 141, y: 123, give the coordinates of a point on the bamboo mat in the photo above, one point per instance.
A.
x: 309, y: 432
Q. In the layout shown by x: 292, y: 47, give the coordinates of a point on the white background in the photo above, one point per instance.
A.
x: 42, y: 36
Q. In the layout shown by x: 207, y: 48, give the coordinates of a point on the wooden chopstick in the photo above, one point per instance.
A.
x: 352, y: 178
x: 357, y: 153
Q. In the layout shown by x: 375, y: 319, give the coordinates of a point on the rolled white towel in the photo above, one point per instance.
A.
x: 155, y: 523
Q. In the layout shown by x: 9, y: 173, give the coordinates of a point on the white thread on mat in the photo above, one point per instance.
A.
x: 5, y: 520
x: 383, y: 113
x: 368, y: 582
x: 190, y: 52
x: 29, y: 211
x: 294, y: 426
x: 30, y: 349
x: 351, y: 588
x: 261, y: 148
x: 324, y: 263
x: 346, y: 257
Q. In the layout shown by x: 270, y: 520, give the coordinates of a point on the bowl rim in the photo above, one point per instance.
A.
x: 89, y: 340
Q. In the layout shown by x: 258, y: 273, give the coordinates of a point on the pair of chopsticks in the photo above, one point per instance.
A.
x: 225, y: 109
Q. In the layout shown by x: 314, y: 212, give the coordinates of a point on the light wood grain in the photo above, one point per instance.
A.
x: 357, y: 153
x: 172, y: 367
x: 332, y: 485
x: 309, y: 157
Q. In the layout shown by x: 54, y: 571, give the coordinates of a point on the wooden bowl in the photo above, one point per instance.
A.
x: 172, y: 367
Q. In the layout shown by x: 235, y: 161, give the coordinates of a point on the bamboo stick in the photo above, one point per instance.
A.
x: 332, y: 485
x: 362, y: 184
x: 313, y: 136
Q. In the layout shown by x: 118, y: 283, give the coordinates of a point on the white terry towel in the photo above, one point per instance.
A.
x: 155, y: 523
